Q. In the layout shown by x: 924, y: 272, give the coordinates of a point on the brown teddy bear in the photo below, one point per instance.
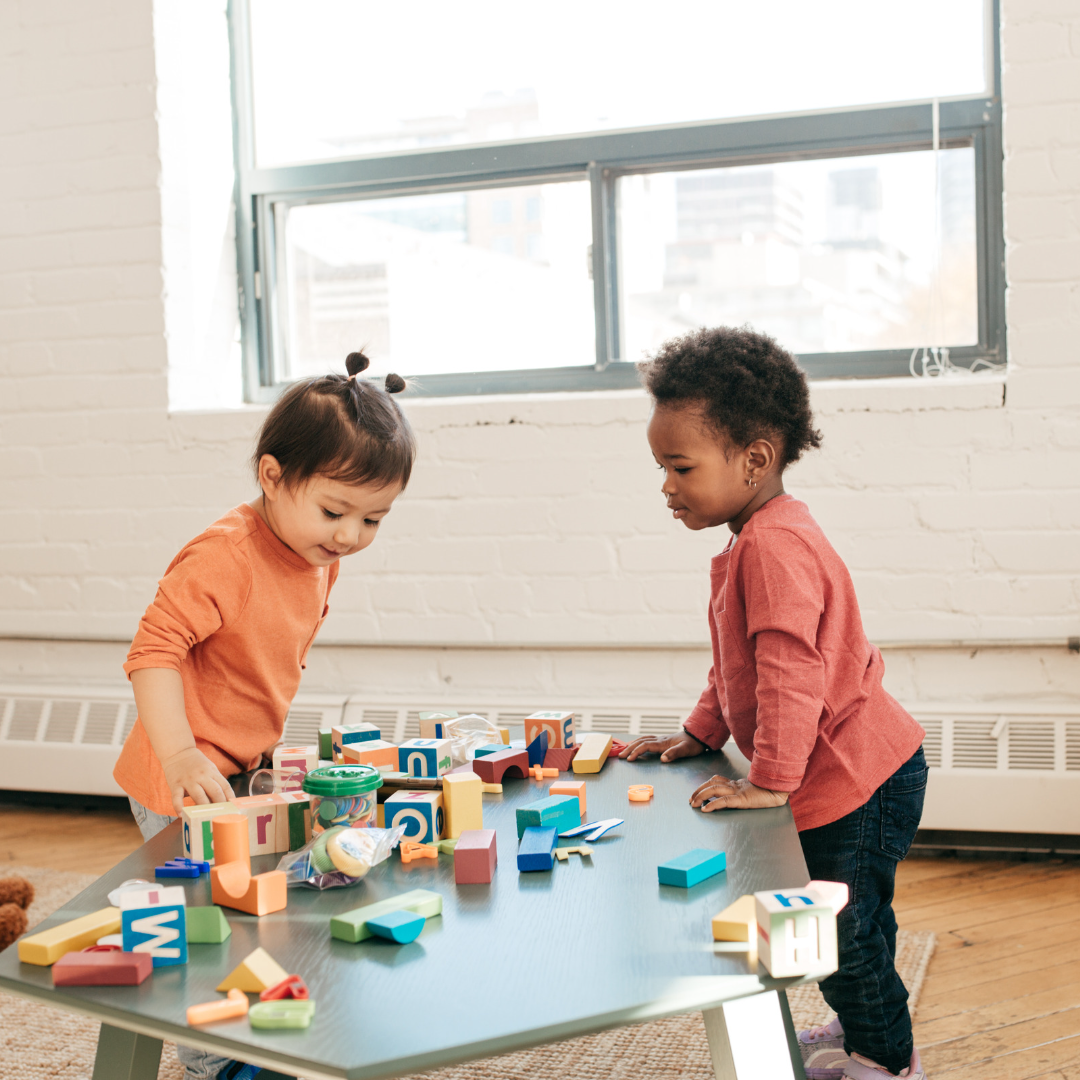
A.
x: 16, y: 895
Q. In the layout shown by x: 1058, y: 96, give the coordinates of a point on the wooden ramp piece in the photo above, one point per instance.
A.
x: 255, y: 973
x: 737, y: 922
x: 593, y: 753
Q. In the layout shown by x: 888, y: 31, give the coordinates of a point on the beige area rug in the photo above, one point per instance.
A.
x: 39, y: 1043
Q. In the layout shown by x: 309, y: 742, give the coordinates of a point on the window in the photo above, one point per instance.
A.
x: 538, y: 197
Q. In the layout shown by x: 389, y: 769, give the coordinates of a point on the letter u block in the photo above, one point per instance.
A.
x: 796, y: 932
x: 425, y: 757
x: 421, y: 812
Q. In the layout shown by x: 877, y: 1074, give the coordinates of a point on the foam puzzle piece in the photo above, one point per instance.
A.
x: 342, y: 735
x: 593, y: 830
x: 463, y: 801
x: 47, y: 946
x: 292, y: 987
x: 560, y: 757
x: 398, y: 926
x: 111, y: 968
x: 425, y: 757
x: 233, y: 1006
x: 796, y: 932
x: 475, y: 857
x: 536, y: 849
x: 280, y: 1015
x: 295, y: 759
x: 255, y: 973
x: 182, y: 868
x: 433, y: 724
x: 537, y: 749
x: 737, y: 922
x: 232, y: 884
x: 693, y: 867
x: 159, y: 931
x: 592, y: 753
x: 421, y: 812
x: 380, y: 755
x: 207, y: 925
x: 508, y: 762
x: 558, y: 725
x: 352, y: 925
x: 556, y: 811
x: 570, y: 787
x: 197, y: 829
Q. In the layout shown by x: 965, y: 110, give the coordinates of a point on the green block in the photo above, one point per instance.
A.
x: 326, y: 744
x: 281, y: 1014
x: 559, y: 812
x: 299, y: 824
x: 352, y: 925
x: 207, y: 925
x: 447, y: 846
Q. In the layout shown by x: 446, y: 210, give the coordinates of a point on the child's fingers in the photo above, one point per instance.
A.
x: 645, y: 745
x: 711, y: 789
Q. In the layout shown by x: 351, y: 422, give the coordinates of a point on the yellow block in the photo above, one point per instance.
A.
x: 463, y: 800
x: 593, y: 753
x: 504, y: 734
x: 258, y: 971
x: 737, y: 922
x: 48, y: 946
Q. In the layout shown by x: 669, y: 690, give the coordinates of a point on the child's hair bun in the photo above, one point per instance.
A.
x: 394, y: 384
x: 356, y: 362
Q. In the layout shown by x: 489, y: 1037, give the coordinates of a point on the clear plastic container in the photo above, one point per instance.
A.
x: 342, y: 795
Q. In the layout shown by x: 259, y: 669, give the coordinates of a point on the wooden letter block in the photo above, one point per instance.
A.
x: 558, y: 725
x: 232, y: 884
x: 198, y: 834
x: 256, y: 972
x: 296, y: 758
x: 796, y: 932
x: 475, y: 857
x: 833, y: 893
x: 293, y: 820
x: 425, y: 757
x: 570, y: 787
x: 207, y: 925
x: 737, y: 922
x: 421, y: 812
x: 536, y: 849
x: 559, y: 812
x: 380, y: 755
x: 102, y: 969
x: 159, y: 931
x: 47, y: 946
x: 694, y: 866
x: 352, y: 925
x: 494, y: 767
x: 326, y: 744
x: 432, y: 724
x: 262, y: 814
x: 592, y: 754
x: 463, y: 800
x: 537, y: 750
x: 342, y: 735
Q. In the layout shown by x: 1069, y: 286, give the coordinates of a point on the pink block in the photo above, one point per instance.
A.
x: 475, y: 857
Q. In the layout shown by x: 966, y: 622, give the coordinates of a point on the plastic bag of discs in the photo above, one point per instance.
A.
x: 339, y: 856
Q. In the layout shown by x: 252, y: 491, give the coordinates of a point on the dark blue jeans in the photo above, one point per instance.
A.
x: 862, y: 850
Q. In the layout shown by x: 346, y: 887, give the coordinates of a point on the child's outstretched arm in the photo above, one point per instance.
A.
x: 159, y: 697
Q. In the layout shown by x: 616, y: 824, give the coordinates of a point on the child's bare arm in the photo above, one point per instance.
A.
x: 159, y: 697
x: 720, y: 793
x: 669, y: 747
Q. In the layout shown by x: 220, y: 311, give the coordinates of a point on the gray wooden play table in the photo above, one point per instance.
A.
x: 532, y: 958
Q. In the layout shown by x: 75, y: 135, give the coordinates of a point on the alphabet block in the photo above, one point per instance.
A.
x: 592, y: 754
x: 796, y: 932
x: 463, y: 800
x: 352, y: 925
x: 570, y: 787
x: 261, y: 812
x: 255, y: 973
x: 432, y: 724
x: 47, y: 946
x: 558, y: 725
x: 425, y: 757
x: 207, y: 925
x: 536, y: 849
x: 299, y: 759
x: 737, y: 922
x: 159, y: 931
x: 556, y: 811
x: 694, y: 866
x: 152, y: 896
x: 421, y: 812
x: 475, y: 857
x: 537, y: 750
x: 381, y: 755
x: 342, y: 735
x: 293, y: 820
x: 508, y: 762
x: 198, y: 836
x: 560, y: 758
x: 111, y: 968
x: 232, y: 884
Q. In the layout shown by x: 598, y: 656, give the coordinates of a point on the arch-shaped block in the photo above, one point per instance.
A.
x: 494, y: 767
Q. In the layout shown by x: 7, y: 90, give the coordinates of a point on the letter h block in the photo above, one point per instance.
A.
x: 796, y: 932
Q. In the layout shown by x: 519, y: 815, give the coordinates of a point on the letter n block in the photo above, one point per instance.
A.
x: 425, y: 757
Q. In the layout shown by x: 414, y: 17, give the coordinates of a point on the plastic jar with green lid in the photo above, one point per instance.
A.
x: 342, y: 795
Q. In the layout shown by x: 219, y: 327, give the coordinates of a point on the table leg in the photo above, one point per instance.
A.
x: 125, y: 1055
x: 753, y: 1038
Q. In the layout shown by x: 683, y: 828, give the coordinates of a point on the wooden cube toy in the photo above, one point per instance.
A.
x: 558, y: 725
x: 342, y: 735
x: 112, y: 968
x: 301, y: 759
x: 326, y: 744
x: 153, y: 922
x: 475, y: 857
x: 421, y: 812
x: 796, y: 930
x: 556, y: 811
x: 380, y: 755
x: 432, y: 724
x: 463, y: 801
x: 197, y: 834
x: 425, y: 757
x: 737, y: 922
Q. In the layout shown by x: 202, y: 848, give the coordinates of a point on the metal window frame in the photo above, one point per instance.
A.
x: 602, y: 158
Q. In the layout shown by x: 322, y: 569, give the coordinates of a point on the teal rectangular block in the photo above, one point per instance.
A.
x: 561, y: 812
x: 694, y: 866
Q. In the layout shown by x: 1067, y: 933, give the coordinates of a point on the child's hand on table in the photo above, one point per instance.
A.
x: 720, y: 793
x: 669, y: 747
x: 191, y: 772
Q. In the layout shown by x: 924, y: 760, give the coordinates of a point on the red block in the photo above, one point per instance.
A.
x: 102, y: 969
x: 560, y: 757
x: 492, y: 767
x: 475, y: 857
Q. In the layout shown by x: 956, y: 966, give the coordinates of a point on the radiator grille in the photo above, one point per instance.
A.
x: 974, y: 745
x: 932, y: 743
x: 25, y: 719
x: 1072, y: 745
x: 1031, y: 744
x: 63, y: 719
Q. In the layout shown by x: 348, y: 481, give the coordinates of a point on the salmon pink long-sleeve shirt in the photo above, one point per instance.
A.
x: 235, y: 614
x: 795, y: 681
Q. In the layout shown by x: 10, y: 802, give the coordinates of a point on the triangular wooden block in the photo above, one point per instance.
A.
x: 258, y: 972
x: 207, y: 925
x: 737, y: 922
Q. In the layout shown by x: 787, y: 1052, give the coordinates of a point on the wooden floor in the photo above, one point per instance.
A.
x: 1001, y: 1000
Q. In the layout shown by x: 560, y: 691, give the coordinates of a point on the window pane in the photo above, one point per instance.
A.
x: 832, y: 255
x: 341, y: 78
x: 486, y: 280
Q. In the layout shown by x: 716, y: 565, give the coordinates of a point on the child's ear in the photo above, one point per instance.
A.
x: 270, y: 476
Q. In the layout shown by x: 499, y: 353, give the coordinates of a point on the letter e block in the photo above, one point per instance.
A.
x: 558, y: 725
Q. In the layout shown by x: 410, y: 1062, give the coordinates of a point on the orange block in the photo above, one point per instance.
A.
x: 236, y: 1004
x: 569, y: 787
x: 231, y: 881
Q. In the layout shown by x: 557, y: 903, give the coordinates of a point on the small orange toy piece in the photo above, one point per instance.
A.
x: 411, y: 850
x: 640, y: 792
x: 539, y: 772
x: 293, y: 988
x: 236, y: 1004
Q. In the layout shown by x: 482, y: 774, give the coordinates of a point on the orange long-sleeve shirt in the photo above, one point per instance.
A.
x: 794, y: 679
x: 235, y: 614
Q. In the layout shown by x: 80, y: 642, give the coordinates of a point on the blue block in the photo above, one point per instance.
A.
x: 536, y: 851
x: 694, y: 866
x: 159, y: 931
x: 399, y: 926
x: 538, y: 749
x: 184, y: 868
x: 561, y: 811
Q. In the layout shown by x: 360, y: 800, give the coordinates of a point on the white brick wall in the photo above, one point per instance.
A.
x: 530, y: 522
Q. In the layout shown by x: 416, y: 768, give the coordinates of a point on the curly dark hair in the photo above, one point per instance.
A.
x: 750, y: 387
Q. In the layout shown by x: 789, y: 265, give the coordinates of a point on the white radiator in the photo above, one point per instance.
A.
x: 1005, y: 768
